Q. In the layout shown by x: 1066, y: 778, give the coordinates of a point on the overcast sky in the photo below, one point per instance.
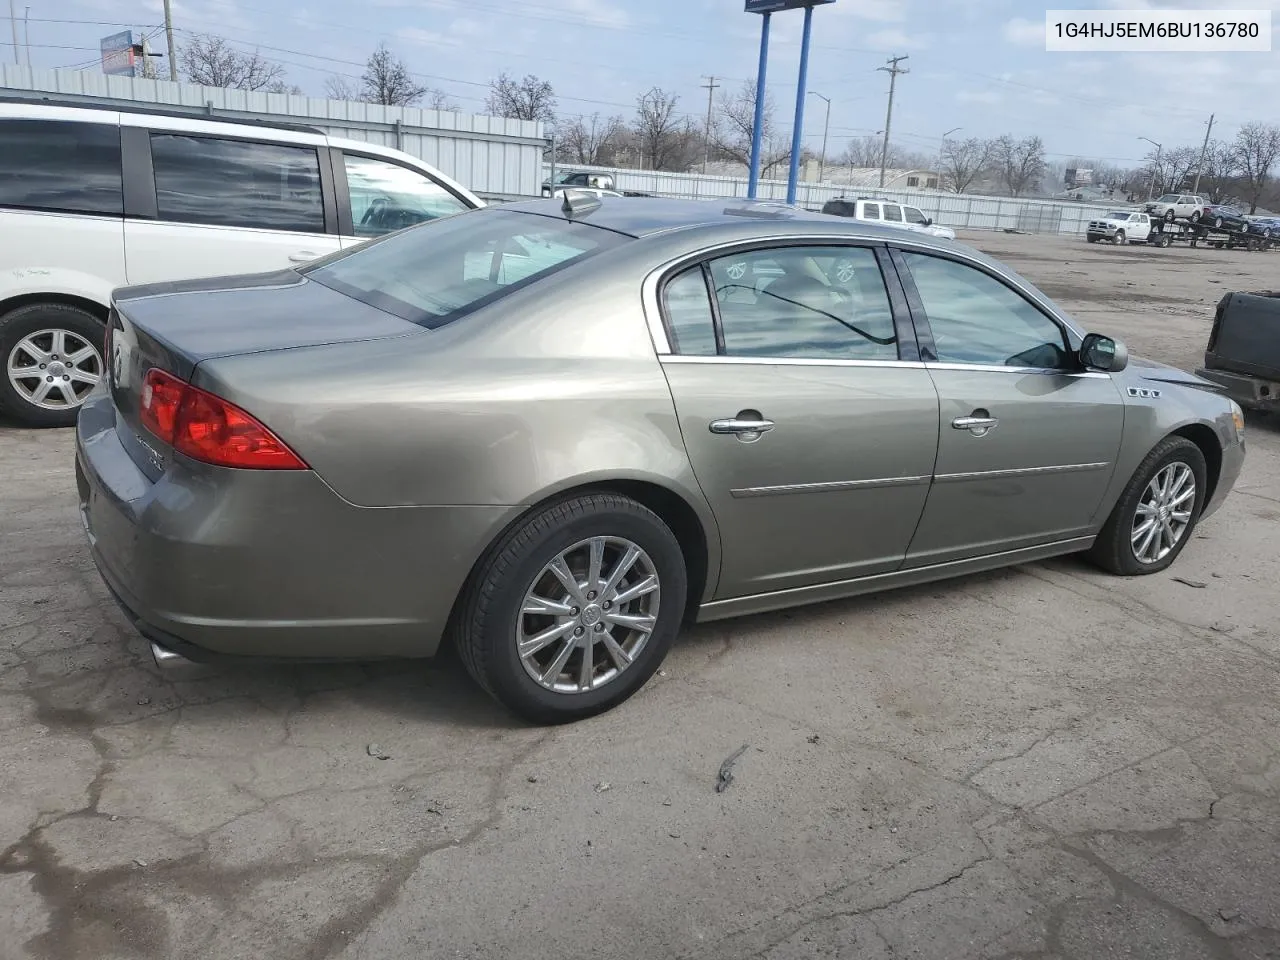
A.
x: 975, y: 64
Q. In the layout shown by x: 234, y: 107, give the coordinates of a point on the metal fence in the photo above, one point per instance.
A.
x: 489, y: 155
x: 958, y: 210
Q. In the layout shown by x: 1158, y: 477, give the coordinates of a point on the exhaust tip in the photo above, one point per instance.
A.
x: 174, y: 665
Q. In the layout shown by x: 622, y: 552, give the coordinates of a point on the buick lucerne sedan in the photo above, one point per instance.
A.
x: 553, y: 432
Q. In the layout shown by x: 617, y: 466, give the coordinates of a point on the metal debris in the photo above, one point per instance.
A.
x: 377, y: 752
x: 725, y: 776
x: 1197, y: 584
x: 603, y: 786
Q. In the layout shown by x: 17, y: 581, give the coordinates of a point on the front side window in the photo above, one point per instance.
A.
x: 913, y: 215
x: 893, y: 212
x: 821, y: 303
x: 442, y: 270
x: 871, y: 211
x: 64, y: 167
x: 386, y: 196
x: 236, y: 183
x: 976, y: 319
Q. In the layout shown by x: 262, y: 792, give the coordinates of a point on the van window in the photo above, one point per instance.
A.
x: 235, y: 183
x: 65, y: 167
x: 893, y: 212
x: 386, y: 196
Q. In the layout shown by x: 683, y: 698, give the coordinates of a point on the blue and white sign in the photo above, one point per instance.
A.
x: 773, y: 6
x: 118, y: 54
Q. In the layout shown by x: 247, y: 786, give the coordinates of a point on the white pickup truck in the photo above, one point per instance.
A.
x: 1119, y: 226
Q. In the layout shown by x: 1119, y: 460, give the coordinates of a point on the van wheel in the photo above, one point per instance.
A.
x: 52, y: 359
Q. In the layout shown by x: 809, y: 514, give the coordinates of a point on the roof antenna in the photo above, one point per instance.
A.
x: 578, y: 202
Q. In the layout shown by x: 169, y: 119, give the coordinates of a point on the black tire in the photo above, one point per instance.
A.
x: 488, y: 615
x: 15, y: 326
x: 1195, y: 216
x: 1092, y: 239
x: 1164, y: 240
x: 1217, y: 223
x: 1113, y: 550
x: 1118, y: 238
x: 1168, y: 216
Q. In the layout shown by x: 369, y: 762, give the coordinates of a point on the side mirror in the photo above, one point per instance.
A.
x: 928, y: 221
x: 1103, y: 354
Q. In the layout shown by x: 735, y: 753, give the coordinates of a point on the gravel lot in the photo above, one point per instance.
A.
x: 1042, y: 762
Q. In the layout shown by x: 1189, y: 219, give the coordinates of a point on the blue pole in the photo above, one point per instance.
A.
x: 797, y: 132
x: 753, y: 173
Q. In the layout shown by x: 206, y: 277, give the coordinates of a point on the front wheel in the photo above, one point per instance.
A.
x: 1168, y: 216
x: 52, y: 359
x: 572, y: 612
x: 1195, y: 216
x: 1118, y: 239
x: 1157, y: 513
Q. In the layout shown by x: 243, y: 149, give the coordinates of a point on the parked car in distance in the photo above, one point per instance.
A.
x: 1119, y: 226
x: 553, y: 432
x: 888, y: 213
x: 1265, y: 227
x: 596, y: 192
x: 578, y: 178
x: 1224, y: 216
x: 92, y: 199
x: 1176, y: 206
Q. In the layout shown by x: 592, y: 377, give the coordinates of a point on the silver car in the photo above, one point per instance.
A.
x: 553, y: 432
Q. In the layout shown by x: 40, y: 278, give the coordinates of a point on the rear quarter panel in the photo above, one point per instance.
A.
x: 554, y: 387
x: 70, y: 254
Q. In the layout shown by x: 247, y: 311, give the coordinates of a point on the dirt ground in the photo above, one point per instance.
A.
x: 1042, y: 762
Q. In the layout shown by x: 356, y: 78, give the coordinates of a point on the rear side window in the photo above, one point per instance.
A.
x: 871, y: 211
x: 893, y: 212
x: 235, y: 183
x: 386, y: 196
x: 689, y: 317
x: 64, y: 167
x: 440, y: 271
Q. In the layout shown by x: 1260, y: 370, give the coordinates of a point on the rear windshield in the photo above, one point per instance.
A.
x: 434, y: 273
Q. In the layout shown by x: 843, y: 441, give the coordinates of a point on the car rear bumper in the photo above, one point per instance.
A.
x: 1254, y: 393
x: 214, y: 563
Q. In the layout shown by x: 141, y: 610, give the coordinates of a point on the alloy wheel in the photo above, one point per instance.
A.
x: 1163, y: 513
x: 54, y: 369
x: 588, y: 614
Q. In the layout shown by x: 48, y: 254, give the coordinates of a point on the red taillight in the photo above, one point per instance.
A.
x: 205, y: 427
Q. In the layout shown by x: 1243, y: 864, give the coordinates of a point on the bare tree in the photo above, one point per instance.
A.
x: 865, y: 152
x: 588, y: 140
x: 212, y: 61
x: 1019, y: 164
x: 527, y: 99
x: 1217, y: 174
x: 439, y: 100
x: 657, y: 127
x: 732, y: 128
x: 341, y: 88
x: 964, y: 161
x: 387, y: 80
x: 1255, y: 151
x: 1172, y: 170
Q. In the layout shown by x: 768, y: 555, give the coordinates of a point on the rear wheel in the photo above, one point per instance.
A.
x: 52, y: 358
x: 1168, y: 216
x: 1157, y: 513
x: 572, y: 612
x: 1217, y: 223
x: 1195, y: 216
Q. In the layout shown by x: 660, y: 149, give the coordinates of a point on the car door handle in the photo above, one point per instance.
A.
x: 302, y: 256
x: 979, y: 423
x: 743, y: 428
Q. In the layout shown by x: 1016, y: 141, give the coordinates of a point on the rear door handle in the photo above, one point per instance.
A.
x: 978, y: 423
x: 745, y: 429
x: 302, y: 256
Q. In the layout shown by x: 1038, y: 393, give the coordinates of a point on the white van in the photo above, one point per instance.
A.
x: 95, y: 198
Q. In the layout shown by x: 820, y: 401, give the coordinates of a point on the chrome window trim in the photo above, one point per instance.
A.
x: 1020, y: 472
x: 827, y: 487
x: 791, y: 361
x: 652, y: 307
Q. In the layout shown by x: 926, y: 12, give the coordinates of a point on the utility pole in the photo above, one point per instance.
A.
x: 173, y: 51
x: 826, y: 128
x: 13, y: 22
x: 1155, y: 167
x: 892, y: 70
x: 1203, y: 151
x: 710, y: 86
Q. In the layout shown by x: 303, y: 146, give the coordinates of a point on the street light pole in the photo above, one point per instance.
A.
x: 826, y: 128
x: 941, y: 149
x: 1154, y: 167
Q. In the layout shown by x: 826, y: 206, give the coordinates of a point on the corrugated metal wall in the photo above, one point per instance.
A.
x: 489, y: 155
x: 959, y: 210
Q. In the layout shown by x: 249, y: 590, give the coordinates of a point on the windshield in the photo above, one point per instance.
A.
x: 442, y: 270
x: 1168, y: 198
x: 1116, y: 215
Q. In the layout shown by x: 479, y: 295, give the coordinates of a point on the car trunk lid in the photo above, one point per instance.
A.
x: 176, y: 326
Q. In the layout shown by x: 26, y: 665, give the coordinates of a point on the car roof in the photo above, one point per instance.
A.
x: 647, y: 216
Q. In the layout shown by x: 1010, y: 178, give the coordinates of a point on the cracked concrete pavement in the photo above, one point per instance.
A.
x: 1041, y: 762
